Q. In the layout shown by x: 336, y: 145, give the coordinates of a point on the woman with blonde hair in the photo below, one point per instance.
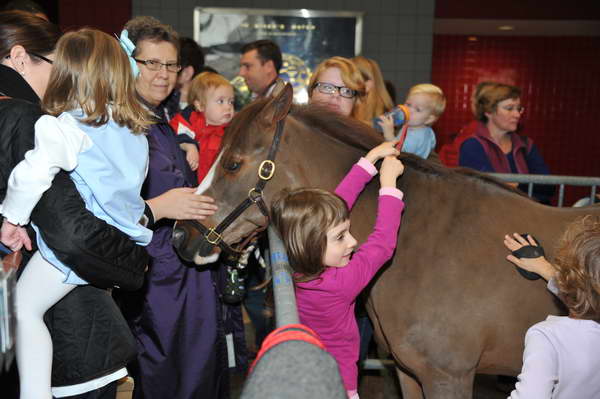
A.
x: 338, y: 85
x: 378, y: 100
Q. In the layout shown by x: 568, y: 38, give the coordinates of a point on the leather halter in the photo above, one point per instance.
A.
x: 266, y: 170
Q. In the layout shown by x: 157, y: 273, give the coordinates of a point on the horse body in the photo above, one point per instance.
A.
x: 448, y: 305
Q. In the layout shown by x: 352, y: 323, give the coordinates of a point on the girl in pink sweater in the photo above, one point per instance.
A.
x: 315, y: 227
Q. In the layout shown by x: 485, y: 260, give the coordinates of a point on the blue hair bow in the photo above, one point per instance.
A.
x: 129, y: 48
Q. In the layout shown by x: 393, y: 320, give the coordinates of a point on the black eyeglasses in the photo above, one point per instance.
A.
x: 328, y: 88
x: 41, y: 57
x: 154, y: 65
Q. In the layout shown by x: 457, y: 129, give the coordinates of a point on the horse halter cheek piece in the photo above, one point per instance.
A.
x: 266, y: 170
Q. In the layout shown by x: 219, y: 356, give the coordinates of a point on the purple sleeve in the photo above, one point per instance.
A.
x: 377, y: 250
x: 353, y: 184
x: 163, y: 173
x: 540, y: 368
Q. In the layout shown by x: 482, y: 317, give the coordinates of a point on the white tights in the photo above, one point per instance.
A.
x: 39, y: 287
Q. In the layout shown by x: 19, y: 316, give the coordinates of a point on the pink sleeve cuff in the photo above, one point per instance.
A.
x: 394, y: 192
x: 367, y: 166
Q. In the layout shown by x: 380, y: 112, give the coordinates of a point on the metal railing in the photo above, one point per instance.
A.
x: 554, y: 180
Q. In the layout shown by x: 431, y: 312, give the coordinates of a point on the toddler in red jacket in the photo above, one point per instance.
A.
x: 201, y: 125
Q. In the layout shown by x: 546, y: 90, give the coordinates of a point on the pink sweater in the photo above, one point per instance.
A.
x: 326, y: 304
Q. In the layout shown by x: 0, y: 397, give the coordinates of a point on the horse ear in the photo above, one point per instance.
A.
x: 279, y: 106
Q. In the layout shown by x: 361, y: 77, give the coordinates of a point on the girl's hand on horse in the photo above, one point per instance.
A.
x: 14, y: 236
x: 386, y: 122
x: 182, y: 204
x: 536, y: 265
x: 381, y: 151
x: 391, y: 168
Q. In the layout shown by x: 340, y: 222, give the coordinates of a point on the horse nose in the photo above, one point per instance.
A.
x: 178, y: 238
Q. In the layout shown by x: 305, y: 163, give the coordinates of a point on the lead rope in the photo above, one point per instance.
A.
x: 235, y: 288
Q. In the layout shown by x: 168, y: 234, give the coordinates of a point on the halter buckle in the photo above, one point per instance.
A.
x: 270, y: 166
x: 209, y: 237
x: 254, y: 195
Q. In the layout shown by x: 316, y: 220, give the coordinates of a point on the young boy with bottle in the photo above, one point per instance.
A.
x: 425, y: 103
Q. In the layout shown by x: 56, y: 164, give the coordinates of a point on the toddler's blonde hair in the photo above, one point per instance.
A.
x: 438, y: 100
x: 202, y: 83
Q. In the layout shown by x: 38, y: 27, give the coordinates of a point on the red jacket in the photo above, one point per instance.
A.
x: 193, y: 125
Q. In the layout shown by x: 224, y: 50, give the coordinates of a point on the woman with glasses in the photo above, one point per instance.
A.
x: 338, y: 85
x: 181, y: 352
x: 496, y: 146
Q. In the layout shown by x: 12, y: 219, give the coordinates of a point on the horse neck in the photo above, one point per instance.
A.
x: 322, y: 161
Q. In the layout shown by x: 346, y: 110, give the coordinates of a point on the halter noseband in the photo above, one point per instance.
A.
x: 266, y: 170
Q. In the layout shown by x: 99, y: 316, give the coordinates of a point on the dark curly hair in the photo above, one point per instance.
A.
x: 577, y: 264
x: 151, y: 29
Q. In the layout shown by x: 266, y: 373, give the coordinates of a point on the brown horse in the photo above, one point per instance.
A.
x: 449, y: 305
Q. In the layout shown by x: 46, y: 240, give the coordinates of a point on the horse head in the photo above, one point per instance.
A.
x: 246, y: 164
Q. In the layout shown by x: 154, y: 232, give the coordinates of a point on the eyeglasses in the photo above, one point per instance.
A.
x: 328, y: 88
x: 519, y: 108
x: 154, y: 65
x: 41, y: 57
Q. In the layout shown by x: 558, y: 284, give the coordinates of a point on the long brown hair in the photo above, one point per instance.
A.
x: 92, y: 72
x: 303, y: 217
x: 378, y: 99
x: 578, y: 268
x: 35, y: 34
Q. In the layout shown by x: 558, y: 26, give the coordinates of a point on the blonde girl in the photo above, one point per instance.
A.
x: 94, y: 129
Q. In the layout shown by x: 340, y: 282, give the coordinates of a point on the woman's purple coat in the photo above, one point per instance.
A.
x: 175, y: 318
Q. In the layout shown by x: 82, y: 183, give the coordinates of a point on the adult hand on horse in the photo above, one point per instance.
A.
x: 391, y: 168
x: 536, y: 265
x: 14, y: 236
x: 182, y: 204
x: 382, y: 150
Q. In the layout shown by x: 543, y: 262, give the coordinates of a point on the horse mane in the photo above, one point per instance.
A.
x: 436, y: 169
x: 346, y: 130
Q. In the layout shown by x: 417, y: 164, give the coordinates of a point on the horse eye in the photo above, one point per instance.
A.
x: 233, y: 166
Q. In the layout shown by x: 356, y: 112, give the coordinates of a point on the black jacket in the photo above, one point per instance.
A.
x: 89, y: 334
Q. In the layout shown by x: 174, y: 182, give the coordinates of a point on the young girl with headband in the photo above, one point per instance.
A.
x: 94, y: 129
x: 315, y: 227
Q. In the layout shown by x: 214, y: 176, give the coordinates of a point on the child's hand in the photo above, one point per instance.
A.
x: 191, y: 155
x: 391, y: 168
x: 382, y: 150
x: 536, y: 265
x: 386, y: 122
x: 14, y: 237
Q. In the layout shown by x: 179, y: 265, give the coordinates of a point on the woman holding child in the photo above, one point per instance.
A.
x: 175, y: 316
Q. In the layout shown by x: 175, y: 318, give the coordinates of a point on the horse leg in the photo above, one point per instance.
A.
x: 438, y: 384
x: 411, y: 389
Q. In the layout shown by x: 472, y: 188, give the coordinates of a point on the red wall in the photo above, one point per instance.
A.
x: 560, y: 80
x: 106, y: 15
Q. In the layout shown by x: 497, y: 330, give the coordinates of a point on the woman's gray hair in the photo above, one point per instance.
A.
x: 150, y: 28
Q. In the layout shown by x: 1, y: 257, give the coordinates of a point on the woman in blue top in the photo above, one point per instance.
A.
x: 495, y: 146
